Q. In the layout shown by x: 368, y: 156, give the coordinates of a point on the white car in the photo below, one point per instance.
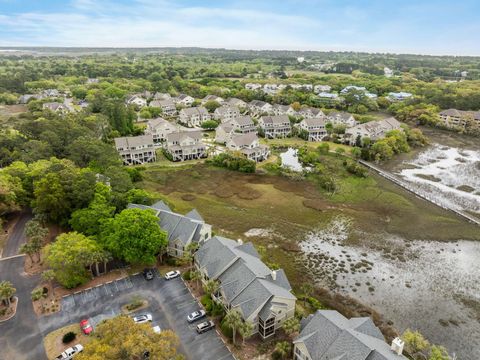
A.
x: 157, y: 329
x: 70, y: 352
x: 140, y: 319
x: 172, y: 274
x: 194, y: 316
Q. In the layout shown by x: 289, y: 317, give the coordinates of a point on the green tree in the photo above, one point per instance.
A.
x: 414, y: 342
x: 121, y: 338
x: 307, y: 290
x: 211, y: 286
x: 245, y: 330
x: 234, y: 321
x: 196, y: 276
x: 6, y: 292
x: 282, y: 350
x: 135, y: 236
x: 69, y: 256
x: 209, y: 125
x: 323, y: 148
x: 438, y: 353
x: 211, y: 105
x: 49, y: 277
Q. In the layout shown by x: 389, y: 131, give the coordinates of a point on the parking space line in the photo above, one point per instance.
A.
x: 185, y: 304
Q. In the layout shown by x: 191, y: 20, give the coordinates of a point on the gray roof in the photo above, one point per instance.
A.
x: 257, y: 103
x: 461, y: 113
x: 154, y: 123
x: 312, y: 110
x: 244, y: 139
x: 235, y: 102
x: 244, y: 279
x: 198, y: 110
x: 243, y: 121
x: 340, y: 115
x: 212, y: 98
x: 225, y: 109
x: 278, y: 120
x: 329, y: 335
x: 179, y: 136
x: 166, y: 102
x: 133, y: 141
x: 318, y: 122
x: 186, y: 228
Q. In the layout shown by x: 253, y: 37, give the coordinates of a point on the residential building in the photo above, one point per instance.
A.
x: 399, y: 96
x: 275, y: 126
x: 161, y: 96
x: 353, y: 87
x: 459, y: 118
x: 387, y: 72
x: 168, y: 106
x: 216, y: 98
x: 193, y: 117
x: 375, y: 130
x: 226, y: 113
x: 249, y: 146
x: 136, y: 149
x: 159, y: 128
x: 278, y: 109
x: 328, y: 96
x: 322, y: 88
x: 315, y: 127
x: 236, y: 102
x: 23, y: 99
x: 186, y: 145
x: 239, y: 125
x: 182, y: 230
x: 304, y: 87
x: 310, y: 113
x: 51, y: 93
x: 223, y: 132
x: 341, y: 118
x: 328, y: 335
x: 56, y: 107
x: 136, y: 101
x: 262, y: 296
x: 258, y: 107
x: 184, y: 100
x: 93, y: 81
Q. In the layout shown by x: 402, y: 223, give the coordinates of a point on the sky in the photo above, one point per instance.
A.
x: 438, y: 27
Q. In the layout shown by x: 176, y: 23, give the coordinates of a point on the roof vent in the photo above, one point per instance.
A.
x: 397, y: 345
x: 274, y: 275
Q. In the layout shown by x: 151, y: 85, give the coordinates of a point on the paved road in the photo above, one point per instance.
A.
x: 19, y: 336
x: 17, y: 237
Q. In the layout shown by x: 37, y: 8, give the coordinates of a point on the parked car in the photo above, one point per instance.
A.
x: 143, y: 318
x: 70, y: 352
x: 86, y: 327
x: 148, y: 274
x: 172, y: 274
x: 196, y: 315
x: 205, y: 326
x: 157, y: 329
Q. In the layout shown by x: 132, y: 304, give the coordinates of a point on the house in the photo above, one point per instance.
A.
x: 258, y: 107
x: 278, y: 109
x: 223, y: 132
x: 304, y: 87
x: 136, y: 101
x: 182, y: 230
x: 159, y: 128
x: 328, y: 335
x: 375, y: 130
x: 399, y: 96
x: 194, y: 117
x: 353, y: 87
x: 262, y: 296
x: 341, y: 118
x: 321, y: 88
x: 236, y: 102
x: 93, y: 81
x: 168, y: 106
x: 184, y: 100
x: 136, y: 149
x: 315, y: 127
x: 275, y: 126
x: 50, y: 93
x: 459, y: 118
x: 226, y: 113
x: 328, y: 96
x: 216, y: 98
x: 239, y: 125
x: 23, y: 99
x: 249, y: 146
x: 387, y: 72
x: 186, y: 145
x: 55, y: 107
x: 253, y: 86
x: 310, y: 113
x: 161, y: 96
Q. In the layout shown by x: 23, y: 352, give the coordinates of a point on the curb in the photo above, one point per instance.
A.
x: 14, y: 311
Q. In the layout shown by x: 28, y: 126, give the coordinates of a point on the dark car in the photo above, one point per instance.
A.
x: 148, y: 274
x: 205, y: 326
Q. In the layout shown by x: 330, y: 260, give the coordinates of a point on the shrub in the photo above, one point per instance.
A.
x: 37, y: 294
x: 207, y: 302
x: 69, y: 336
x: 135, y: 303
x: 170, y: 261
x: 233, y: 162
x: 226, y: 330
x: 317, y: 305
x: 217, y: 310
x: 187, y: 276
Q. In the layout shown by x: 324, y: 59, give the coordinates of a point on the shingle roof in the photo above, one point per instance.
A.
x: 160, y: 205
x: 329, y: 335
x: 277, y: 120
x: 179, y: 136
x: 198, y: 110
x: 244, y: 139
x: 133, y: 141
x: 194, y: 215
x: 317, y: 122
x: 243, y: 121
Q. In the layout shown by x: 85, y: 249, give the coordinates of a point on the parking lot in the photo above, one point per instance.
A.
x: 169, y: 303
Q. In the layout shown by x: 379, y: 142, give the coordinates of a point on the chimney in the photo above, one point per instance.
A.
x: 274, y: 275
x: 397, y: 346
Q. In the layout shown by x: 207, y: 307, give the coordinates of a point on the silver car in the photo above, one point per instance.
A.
x: 140, y: 319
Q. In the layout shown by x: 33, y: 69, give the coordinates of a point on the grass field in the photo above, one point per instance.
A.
x: 53, y: 341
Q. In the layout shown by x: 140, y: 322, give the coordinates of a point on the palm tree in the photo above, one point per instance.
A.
x: 6, y: 292
x: 291, y: 326
x: 49, y: 277
x: 283, y: 349
x: 246, y: 330
x: 233, y: 320
x: 307, y: 290
x: 196, y: 275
